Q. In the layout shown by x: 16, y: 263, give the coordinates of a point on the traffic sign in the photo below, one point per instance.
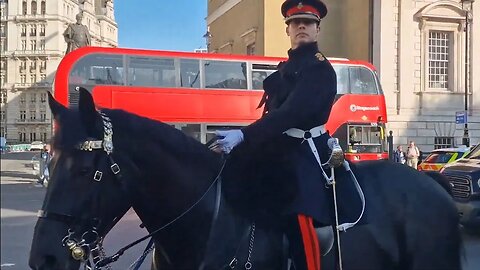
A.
x: 461, y: 117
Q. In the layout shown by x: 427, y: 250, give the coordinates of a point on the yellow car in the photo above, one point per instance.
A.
x: 439, y: 157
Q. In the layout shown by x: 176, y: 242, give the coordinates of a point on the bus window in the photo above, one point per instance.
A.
x: 224, y: 74
x: 365, y: 139
x: 150, y: 71
x: 259, y: 73
x: 362, y: 81
x: 189, y: 73
x: 257, y: 78
x: 97, y: 69
x: 342, y: 79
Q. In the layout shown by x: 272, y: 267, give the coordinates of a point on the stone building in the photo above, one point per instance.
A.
x: 32, y: 46
x: 418, y: 46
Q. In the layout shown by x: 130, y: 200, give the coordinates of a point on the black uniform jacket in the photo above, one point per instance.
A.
x: 270, y: 174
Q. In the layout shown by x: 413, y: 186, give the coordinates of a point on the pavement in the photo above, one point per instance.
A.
x: 20, y: 201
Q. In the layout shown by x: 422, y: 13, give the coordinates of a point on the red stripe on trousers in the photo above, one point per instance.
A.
x: 310, y: 242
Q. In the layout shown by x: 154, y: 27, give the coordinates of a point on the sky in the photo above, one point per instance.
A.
x: 177, y: 25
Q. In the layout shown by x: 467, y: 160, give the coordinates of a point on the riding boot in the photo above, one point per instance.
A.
x: 303, y: 242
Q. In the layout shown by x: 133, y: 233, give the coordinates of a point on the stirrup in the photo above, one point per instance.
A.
x: 336, y: 157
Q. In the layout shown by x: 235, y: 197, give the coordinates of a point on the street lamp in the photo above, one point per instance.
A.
x: 207, y: 38
x: 468, y: 9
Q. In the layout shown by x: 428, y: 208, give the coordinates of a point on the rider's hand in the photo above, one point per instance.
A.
x: 230, y: 139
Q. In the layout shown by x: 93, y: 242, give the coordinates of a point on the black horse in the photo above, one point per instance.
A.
x: 166, y: 176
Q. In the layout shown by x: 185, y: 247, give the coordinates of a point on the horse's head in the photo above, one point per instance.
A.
x: 86, y: 194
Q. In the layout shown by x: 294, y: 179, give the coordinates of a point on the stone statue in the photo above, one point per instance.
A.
x: 77, y: 34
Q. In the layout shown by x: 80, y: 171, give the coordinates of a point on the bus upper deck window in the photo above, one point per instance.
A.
x: 224, y: 74
x: 362, y: 81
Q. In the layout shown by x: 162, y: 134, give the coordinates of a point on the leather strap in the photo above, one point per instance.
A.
x: 306, y: 134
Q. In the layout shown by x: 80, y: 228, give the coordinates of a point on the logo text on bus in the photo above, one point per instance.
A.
x: 355, y: 108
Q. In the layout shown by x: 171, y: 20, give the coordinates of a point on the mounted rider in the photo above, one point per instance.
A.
x: 291, y: 138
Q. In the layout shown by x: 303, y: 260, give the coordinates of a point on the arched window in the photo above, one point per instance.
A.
x: 43, y: 8
x: 24, y: 7
x: 34, y: 7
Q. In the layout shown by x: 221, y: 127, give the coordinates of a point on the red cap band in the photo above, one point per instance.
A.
x: 302, y: 9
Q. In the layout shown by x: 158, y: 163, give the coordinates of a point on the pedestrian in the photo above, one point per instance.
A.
x: 44, y: 161
x: 399, y: 155
x: 300, y: 96
x: 413, y: 155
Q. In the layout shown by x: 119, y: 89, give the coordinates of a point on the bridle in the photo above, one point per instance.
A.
x: 90, y: 243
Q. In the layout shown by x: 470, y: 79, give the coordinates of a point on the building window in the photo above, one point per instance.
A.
x: 23, y: 99
x: 42, y: 44
x: 43, y: 8
x: 2, y: 78
x: 2, y: 116
x: 34, y: 7
x: 443, y: 142
x: 42, y: 30
x: 3, y: 65
x: 24, y: 45
x: 3, y: 97
x: 33, y: 115
x: 23, y: 79
x: 43, y: 77
x: 43, y: 65
x: 43, y: 97
x: 44, y: 136
x: 23, y: 66
x: 23, y: 32
x: 2, y: 30
x: 33, y: 78
x: 33, y: 30
x: 251, y: 49
x: 439, y: 59
x: 3, y: 132
x: 23, y: 116
x: 33, y: 98
x: 33, y: 66
x: 43, y: 116
x: 22, y: 136
x: 33, y: 136
x: 24, y: 7
x: 3, y: 45
x: 33, y: 45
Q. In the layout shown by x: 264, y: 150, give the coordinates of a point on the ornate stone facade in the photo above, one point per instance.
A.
x: 32, y: 46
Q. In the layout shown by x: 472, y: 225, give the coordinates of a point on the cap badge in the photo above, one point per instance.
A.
x: 320, y: 57
x: 300, y: 5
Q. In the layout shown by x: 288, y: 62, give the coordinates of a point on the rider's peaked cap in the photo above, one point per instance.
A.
x: 303, y: 9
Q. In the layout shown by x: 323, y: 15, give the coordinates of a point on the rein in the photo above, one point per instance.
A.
x: 120, y: 252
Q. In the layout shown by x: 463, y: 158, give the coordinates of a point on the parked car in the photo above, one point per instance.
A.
x: 439, y: 157
x: 36, y: 146
x: 464, y: 179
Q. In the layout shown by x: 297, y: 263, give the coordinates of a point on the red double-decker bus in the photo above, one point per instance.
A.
x: 200, y: 92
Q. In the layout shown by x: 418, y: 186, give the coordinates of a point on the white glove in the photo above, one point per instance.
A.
x: 231, y: 138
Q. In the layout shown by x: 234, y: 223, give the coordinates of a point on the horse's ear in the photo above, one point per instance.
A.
x: 86, y: 105
x: 55, y: 106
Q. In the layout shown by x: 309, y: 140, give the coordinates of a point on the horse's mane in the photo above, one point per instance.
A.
x: 130, y: 127
x: 155, y: 132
